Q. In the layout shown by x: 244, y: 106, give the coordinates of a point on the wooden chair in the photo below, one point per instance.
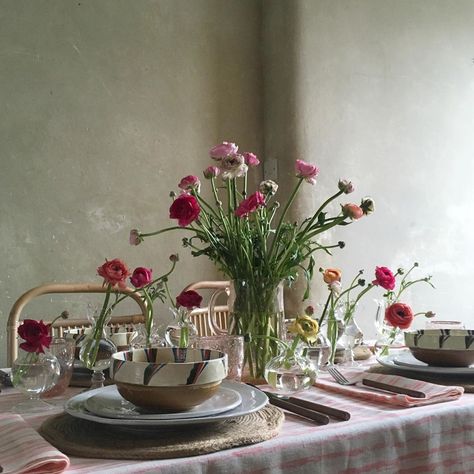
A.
x: 62, y: 325
x: 201, y: 316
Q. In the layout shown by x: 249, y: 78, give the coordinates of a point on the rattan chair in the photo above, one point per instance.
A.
x: 62, y: 325
x: 201, y: 316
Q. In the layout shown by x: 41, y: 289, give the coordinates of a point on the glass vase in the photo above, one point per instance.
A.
x: 319, y: 351
x: 96, y: 349
x: 256, y: 312
x: 390, y: 339
x: 182, y: 333
x: 290, y: 372
x: 33, y: 374
x: 140, y: 339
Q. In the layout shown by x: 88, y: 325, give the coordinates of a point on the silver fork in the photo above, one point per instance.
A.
x: 342, y: 380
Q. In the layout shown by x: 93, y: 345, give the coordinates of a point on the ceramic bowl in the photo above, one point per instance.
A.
x: 168, y: 378
x: 442, y: 347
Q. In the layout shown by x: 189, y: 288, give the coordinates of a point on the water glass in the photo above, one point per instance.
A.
x: 231, y: 345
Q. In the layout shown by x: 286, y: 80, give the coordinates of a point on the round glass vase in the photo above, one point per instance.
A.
x: 256, y: 312
x: 390, y: 340
x: 319, y: 351
x: 33, y: 374
x: 290, y: 371
x: 182, y: 333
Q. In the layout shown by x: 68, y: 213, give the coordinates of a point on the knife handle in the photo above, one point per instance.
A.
x: 334, y: 412
x: 312, y: 415
x: 393, y: 388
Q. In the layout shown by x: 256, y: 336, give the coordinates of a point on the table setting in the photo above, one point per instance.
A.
x: 271, y: 392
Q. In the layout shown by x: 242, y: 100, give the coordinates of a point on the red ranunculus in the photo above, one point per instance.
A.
x: 189, y: 299
x: 185, y: 208
x: 399, y: 315
x: 251, y: 204
x: 114, y: 272
x: 141, y: 277
x: 384, y: 278
x: 36, y: 335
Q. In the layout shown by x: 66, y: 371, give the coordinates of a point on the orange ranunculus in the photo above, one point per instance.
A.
x: 330, y: 275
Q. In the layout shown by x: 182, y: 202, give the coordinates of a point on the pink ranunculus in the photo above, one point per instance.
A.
x: 345, y: 186
x: 222, y: 150
x: 352, y: 210
x: 251, y: 204
x: 307, y: 171
x: 251, y: 159
x: 185, y: 208
x: 114, y: 272
x: 36, y: 335
x: 211, y: 172
x: 135, y: 238
x: 190, y: 182
x: 384, y: 278
x: 189, y: 299
x: 399, y: 315
x: 141, y: 277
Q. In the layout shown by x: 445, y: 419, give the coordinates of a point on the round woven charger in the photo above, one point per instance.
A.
x: 82, y: 438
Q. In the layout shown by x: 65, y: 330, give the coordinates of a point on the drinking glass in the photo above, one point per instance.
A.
x: 232, y: 345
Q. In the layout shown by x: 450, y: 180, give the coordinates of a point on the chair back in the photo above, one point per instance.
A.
x: 62, y: 325
x: 202, y: 318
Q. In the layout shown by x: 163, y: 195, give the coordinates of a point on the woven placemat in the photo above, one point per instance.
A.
x: 466, y: 381
x: 82, y: 438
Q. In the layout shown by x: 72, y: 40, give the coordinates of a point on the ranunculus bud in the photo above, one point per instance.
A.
x: 345, y: 186
x: 174, y: 257
x: 141, y: 277
x: 330, y: 275
x: 211, y: 172
x: 353, y: 211
x: 309, y: 310
x: 189, y: 299
x: 430, y: 314
x: 367, y: 205
x: 189, y: 183
x: 251, y: 159
x: 135, y: 238
x: 268, y: 187
x: 307, y: 171
x: 222, y: 150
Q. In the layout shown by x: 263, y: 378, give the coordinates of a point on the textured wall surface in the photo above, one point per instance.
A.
x: 105, y: 106
x: 383, y: 93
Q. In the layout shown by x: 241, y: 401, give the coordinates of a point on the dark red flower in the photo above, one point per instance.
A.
x: 36, y: 335
x: 189, y: 299
x: 185, y: 208
x: 399, y: 315
x: 141, y: 277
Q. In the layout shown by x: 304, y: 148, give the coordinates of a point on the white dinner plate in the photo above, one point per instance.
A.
x: 406, y: 361
x: 252, y: 400
x: 108, y: 402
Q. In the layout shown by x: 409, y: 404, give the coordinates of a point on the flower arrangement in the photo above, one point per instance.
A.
x: 397, y: 315
x: 247, y: 235
x: 115, y: 273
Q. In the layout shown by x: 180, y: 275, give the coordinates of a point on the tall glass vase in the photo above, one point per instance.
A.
x: 257, y: 312
x: 390, y: 339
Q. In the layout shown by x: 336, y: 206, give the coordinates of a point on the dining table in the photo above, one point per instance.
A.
x: 378, y: 438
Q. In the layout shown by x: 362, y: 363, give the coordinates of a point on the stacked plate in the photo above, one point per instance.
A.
x: 106, y: 405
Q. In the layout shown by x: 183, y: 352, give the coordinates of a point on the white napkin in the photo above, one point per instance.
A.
x: 434, y: 393
x: 24, y: 451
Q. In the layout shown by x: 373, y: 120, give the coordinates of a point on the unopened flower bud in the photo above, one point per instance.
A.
x: 174, y: 257
x: 211, y: 172
x: 309, y: 310
x: 268, y: 187
x: 367, y: 205
x: 345, y: 186
x: 353, y: 211
x: 341, y: 244
x: 135, y: 237
x: 172, y: 194
x: 361, y: 282
x: 430, y: 314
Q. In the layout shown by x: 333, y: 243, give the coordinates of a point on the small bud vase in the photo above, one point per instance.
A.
x: 290, y: 371
x: 390, y: 339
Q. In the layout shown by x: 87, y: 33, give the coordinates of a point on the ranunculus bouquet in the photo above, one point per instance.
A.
x: 247, y: 235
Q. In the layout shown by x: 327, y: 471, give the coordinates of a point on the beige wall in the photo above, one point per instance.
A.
x: 106, y: 104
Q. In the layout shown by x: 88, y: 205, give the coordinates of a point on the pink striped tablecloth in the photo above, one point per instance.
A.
x: 379, y: 438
